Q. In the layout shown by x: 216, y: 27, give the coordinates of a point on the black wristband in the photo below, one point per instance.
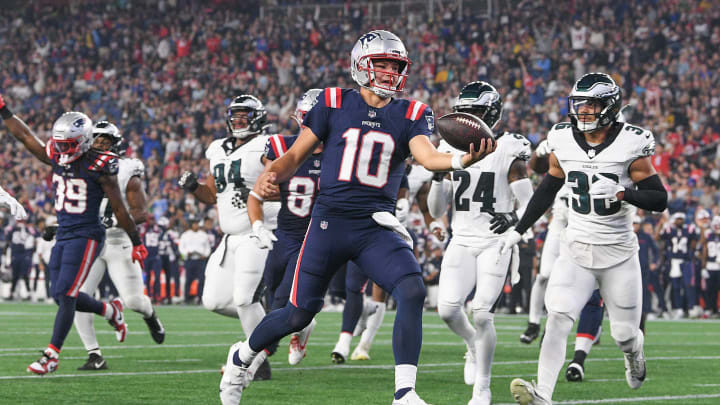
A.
x: 541, y: 200
x: 5, y: 113
x: 650, y: 195
x: 135, y: 238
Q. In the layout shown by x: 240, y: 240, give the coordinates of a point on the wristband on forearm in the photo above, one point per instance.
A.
x: 135, y: 238
x: 5, y: 113
x: 650, y: 195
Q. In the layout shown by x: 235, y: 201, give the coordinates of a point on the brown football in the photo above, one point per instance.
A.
x: 461, y: 129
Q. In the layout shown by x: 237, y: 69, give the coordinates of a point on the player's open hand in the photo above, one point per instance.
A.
x: 487, y: 146
x: 507, y: 242
x: 267, y: 183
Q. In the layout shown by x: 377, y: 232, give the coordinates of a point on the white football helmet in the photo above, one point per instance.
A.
x: 600, y: 89
x: 305, y: 104
x: 110, y: 131
x: 379, y: 44
x: 71, y: 136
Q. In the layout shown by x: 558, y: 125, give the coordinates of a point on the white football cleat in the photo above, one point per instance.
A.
x: 635, y: 366
x: 234, y: 379
x: 44, y: 365
x: 361, y: 352
x: 298, y: 344
x: 118, y: 320
x: 525, y: 393
x: 411, y: 398
x: 469, y: 372
x: 483, y: 399
x: 342, y: 349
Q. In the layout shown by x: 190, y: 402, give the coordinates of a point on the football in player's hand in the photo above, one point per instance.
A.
x: 462, y: 129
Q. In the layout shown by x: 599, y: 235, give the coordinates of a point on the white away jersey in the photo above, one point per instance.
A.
x: 235, y: 173
x: 127, y: 169
x: 483, y: 187
x: 600, y: 221
x: 416, y: 178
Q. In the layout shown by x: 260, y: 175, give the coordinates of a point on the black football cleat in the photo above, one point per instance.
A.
x: 263, y: 372
x: 94, y: 362
x: 156, y: 328
x: 531, y: 333
x: 575, y: 372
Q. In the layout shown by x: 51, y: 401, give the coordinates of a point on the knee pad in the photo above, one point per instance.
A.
x: 448, y: 312
x: 410, y: 289
x: 482, y: 318
x: 624, y: 335
x: 299, y: 318
x: 136, y: 302
x: 560, y: 322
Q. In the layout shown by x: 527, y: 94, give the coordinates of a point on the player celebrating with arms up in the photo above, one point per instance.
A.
x: 81, y: 177
x: 606, y: 164
x: 367, y: 135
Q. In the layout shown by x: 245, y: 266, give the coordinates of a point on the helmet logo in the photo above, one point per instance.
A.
x: 367, y: 38
x: 78, y: 123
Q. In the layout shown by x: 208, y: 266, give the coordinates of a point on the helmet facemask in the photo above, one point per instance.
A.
x: 397, y: 79
x: 598, y: 91
x: 246, y: 116
x: 71, y: 137
x: 370, y: 49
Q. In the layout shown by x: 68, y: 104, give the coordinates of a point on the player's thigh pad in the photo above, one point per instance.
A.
x: 457, y: 276
x: 218, y: 288
x: 383, y: 255
x: 249, y: 262
x: 78, y: 256
x: 326, y: 247
x: 621, y: 289
x: 569, y: 287
x: 491, y: 269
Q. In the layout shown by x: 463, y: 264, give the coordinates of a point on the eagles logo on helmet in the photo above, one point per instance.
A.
x: 254, y: 121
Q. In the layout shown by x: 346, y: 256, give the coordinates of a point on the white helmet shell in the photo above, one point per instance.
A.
x: 71, y: 136
x: 379, y: 44
x: 306, y: 103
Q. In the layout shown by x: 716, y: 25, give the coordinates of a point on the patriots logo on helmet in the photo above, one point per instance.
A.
x: 367, y: 38
x: 79, y: 123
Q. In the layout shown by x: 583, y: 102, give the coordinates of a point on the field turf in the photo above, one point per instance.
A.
x: 683, y: 364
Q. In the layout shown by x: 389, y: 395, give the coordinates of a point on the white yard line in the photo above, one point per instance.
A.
x: 629, y: 399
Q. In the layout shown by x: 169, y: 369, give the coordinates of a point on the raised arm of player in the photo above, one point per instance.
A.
x: 23, y: 133
x: 283, y: 168
x: 112, y: 191
x: 137, y: 200
x: 427, y: 155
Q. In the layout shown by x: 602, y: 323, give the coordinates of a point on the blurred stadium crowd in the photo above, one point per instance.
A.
x: 164, y: 71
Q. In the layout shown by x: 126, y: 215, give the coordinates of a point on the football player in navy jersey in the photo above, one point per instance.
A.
x: 680, y: 240
x: 297, y: 196
x: 711, y: 264
x: 366, y: 136
x: 81, y: 177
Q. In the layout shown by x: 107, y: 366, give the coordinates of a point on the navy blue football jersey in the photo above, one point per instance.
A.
x: 677, y: 241
x: 297, y: 195
x: 364, y: 150
x: 151, y: 238
x: 78, y: 194
x: 713, y: 248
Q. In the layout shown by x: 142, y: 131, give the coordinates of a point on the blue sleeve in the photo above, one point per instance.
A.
x: 317, y: 119
x: 404, y: 182
x: 425, y: 125
x: 269, y: 150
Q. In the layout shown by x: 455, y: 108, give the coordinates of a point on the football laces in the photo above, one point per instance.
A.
x: 468, y: 122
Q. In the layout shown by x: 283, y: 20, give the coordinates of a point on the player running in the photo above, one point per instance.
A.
x: 115, y: 255
x: 483, y: 199
x: 606, y: 163
x: 81, y: 177
x: 366, y: 136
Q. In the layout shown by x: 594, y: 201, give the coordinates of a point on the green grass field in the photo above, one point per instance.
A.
x: 683, y: 364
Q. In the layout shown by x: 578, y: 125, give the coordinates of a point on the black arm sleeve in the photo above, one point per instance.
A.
x: 541, y: 200
x: 650, y: 194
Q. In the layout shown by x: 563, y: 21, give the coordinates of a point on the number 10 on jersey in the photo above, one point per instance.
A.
x: 364, y: 174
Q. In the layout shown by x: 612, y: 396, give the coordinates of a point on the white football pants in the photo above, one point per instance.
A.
x: 233, y: 273
x: 116, y: 257
x: 550, y: 252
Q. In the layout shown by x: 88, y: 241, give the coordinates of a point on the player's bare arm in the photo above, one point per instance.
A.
x: 427, y: 155
x: 137, y: 200
x: 518, y: 171
x: 24, y: 134
x: 282, y: 169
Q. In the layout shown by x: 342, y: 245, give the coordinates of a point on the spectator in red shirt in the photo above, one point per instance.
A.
x: 661, y: 160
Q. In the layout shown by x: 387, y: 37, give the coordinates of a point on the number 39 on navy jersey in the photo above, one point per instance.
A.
x: 297, y: 195
x: 364, y: 150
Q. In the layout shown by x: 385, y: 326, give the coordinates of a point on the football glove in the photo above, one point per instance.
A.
x: 264, y: 238
x: 109, y: 222
x: 605, y: 187
x: 502, y: 221
x: 188, y: 181
x: 438, y: 229
x: 49, y: 232
x: 705, y: 274
x: 139, y: 254
x: 402, y: 208
x: 510, y: 239
x: 16, y: 209
x: 542, y: 150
